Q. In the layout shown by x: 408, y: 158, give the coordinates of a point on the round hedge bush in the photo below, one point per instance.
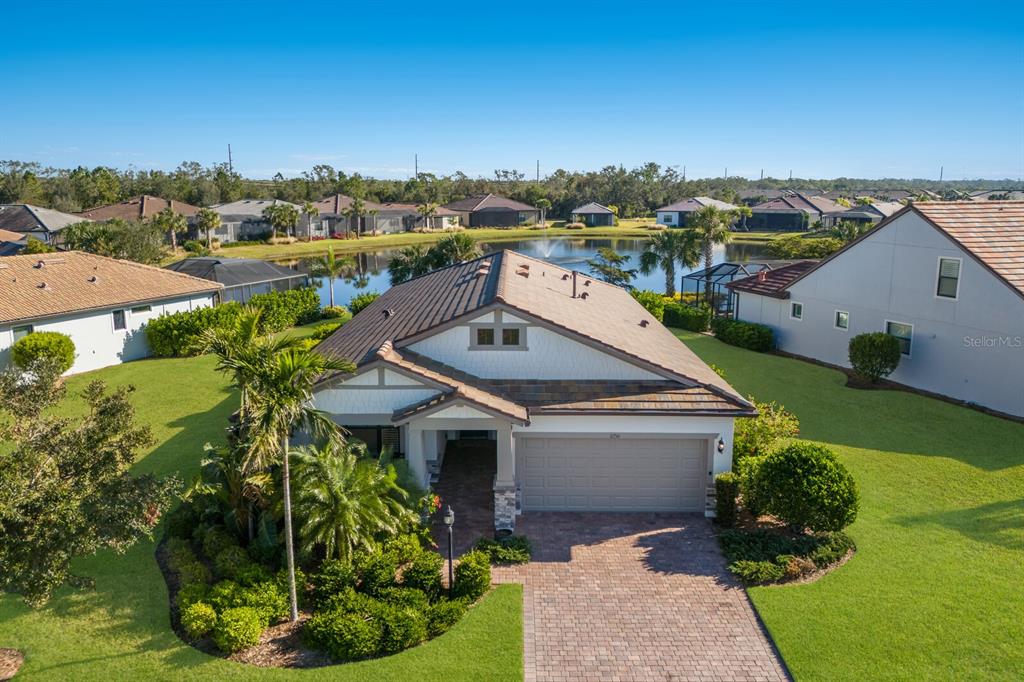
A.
x: 215, y: 541
x: 444, y: 614
x: 190, y: 593
x: 404, y: 547
x: 806, y: 486
x: 333, y: 312
x: 377, y: 571
x: 231, y: 561
x: 472, y: 576
x: 406, y: 597
x: 424, y: 573
x: 238, y: 628
x: 345, y: 636
x: 874, y: 355
x: 224, y: 595
x: 44, y: 346
x: 198, y: 619
x: 332, y: 578
x: 269, y: 600
x: 403, y: 628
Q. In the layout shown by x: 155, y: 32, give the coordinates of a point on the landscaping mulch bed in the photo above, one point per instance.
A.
x: 10, y: 662
x: 281, y: 647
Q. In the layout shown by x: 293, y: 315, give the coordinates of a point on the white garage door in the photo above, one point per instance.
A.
x: 611, y: 474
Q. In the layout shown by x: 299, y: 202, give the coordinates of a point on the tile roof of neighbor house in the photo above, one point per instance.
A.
x: 593, y: 208
x: 601, y: 315
x: 248, y: 207
x: 483, y: 202
x: 29, y: 218
x: 772, y: 283
x: 798, y: 202
x: 232, y: 272
x: 696, y: 203
x: 337, y: 204
x: 139, y: 208
x: 876, y: 209
x: 8, y: 236
x: 413, y: 209
x: 44, y: 285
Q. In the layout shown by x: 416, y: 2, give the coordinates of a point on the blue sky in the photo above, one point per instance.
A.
x: 866, y: 90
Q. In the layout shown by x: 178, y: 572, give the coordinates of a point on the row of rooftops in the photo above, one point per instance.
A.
x: 793, y: 202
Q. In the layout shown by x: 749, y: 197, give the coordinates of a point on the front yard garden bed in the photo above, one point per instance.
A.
x: 762, y: 553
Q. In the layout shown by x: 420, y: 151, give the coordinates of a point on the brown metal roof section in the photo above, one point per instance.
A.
x: 772, y: 283
x: 44, y: 285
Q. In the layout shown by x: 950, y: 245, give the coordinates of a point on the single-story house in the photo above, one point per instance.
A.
x: 945, y: 278
x: 868, y: 214
x: 43, y: 224
x: 412, y: 219
x: 590, y: 403
x: 678, y: 214
x: 998, y: 195
x: 101, y: 303
x: 375, y: 219
x: 793, y: 212
x: 242, y: 278
x: 141, y: 207
x: 243, y: 219
x: 490, y: 210
x: 593, y: 215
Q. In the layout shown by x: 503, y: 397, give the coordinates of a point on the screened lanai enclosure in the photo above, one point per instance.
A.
x: 721, y: 301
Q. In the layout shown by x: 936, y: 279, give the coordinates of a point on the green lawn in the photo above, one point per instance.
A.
x: 121, y: 630
x: 935, y: 589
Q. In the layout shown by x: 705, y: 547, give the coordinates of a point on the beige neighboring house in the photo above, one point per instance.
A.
x: 102, y: 303
x: 589, y: 403
x: 865, y: 214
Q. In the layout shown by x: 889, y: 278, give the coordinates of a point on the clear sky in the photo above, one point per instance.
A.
x: 846, y: 89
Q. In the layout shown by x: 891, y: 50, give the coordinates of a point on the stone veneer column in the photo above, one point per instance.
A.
x: 505, y: 482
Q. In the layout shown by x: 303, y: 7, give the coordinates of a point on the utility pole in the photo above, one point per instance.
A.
x: 230, y: 167
x: 726, y: 172
x: 941, y: 169
x: 762, y: 173
x: 791, y: 175
x: 684, y: 172
x: 538, y: 170
x: 416, y: 164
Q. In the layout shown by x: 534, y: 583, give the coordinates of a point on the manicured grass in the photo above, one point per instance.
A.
x: 121, y: 630
x: 934, y: 591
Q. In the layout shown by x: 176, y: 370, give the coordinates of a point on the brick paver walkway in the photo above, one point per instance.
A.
x: 642, y: 597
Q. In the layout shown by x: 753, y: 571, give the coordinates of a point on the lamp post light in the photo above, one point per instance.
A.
x: 449, y: 520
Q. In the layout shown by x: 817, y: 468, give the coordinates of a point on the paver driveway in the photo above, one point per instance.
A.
x: 642, y: 597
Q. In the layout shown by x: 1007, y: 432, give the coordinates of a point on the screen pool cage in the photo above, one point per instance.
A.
x: 707, y: 286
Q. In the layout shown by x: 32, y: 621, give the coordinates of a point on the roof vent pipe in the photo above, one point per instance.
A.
x: 574, y: 284
x: 762, y: 275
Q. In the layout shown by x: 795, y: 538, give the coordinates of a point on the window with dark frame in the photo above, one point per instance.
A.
x: 904, y: 333
x: 119, y: 320
x: 842, y: 319
x: 141, y: 309
x: 796, y: 311
x: 22, y: 331
x: 949, y: 278
x: 485, y: 336
x: 510, y: 336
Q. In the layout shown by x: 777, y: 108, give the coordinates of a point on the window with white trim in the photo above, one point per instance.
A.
x: 668, y: 218
x: 903, y: 332
x: 842, y: 320
x: 22, y: 331
x: 120, y: 323
x: 949, y: 278
x: 796, y: 310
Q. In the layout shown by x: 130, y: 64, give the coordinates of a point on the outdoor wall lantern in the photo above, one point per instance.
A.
x: 721, y: 444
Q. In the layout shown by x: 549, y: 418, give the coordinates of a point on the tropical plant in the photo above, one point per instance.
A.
x: 454, y: 248
x: 236, y: 490
x: 848, y: 230
x: 610, y: 266
x: 360, y: 301
x: 355, y: 211
x: 33, y: 245
x: 412, y: 261
x: 207, y: 222
x: 712, y: 226
x: 427, y: 211
x: 170, y: 223
x: 330, y: 267
x: 667, y: 248
x: 310, y: 210
x: 282, y: 216
x: 346, y: 501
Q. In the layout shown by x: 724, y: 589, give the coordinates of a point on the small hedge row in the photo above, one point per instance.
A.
x: 652, y: 301
x: 750, y: 335
x: 691, y: 318
x: 514, y: 549
x: 759, y: 557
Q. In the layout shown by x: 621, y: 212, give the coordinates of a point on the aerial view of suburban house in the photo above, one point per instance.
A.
x: 867, y: 214
x: 593, y: 215
x: 490, y: 210
x: 678, y: 214
x: 792, y: 212
x: 139, y: 208
x: 943, y: 277
x: 244, y: 219
x: 242, y: 278
x: 590, y: 402
x: 44, y: 224
x: 101, y: 303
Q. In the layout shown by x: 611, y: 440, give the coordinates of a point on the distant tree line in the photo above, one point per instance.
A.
x: 636, y: 192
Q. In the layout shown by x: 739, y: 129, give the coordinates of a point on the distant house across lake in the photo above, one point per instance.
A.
x: 678, y: 214
x: 593, y: 215
x: 141, y: 207
x: 490, y: 210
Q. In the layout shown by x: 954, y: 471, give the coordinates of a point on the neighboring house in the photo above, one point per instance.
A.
x: 242, y: 278
x: 678, y: 214
x: 998, y: 195
x: 591, y: 403
x: 43, y: 224
x: 101, y: 303
x: 593, y: 215
x: 946, y: 278
x: 490, y: 210
x: 12, y: 243
x: 883, y: 195
x: 336, y: 220
x: 794, y: 212
x: 243, y: 219
x: 867, y: 214
x: 752, y: 197
x: 412, y: 219
x: 139, y: 208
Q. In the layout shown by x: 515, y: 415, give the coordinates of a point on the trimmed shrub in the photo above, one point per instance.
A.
x: 181, y: 521
x: 360, y: 301
x: 269, y: 600
x: 177, y: 334
x: 806, y: 486
x: 333, y: 312
x: 190, y: 593
x: 405, y: 548
x: 377, y: 572
x: 216, y: 540
x: 758, y: 572
x: 727, y: 487
x: 230, y: 561
x: 179, y: 553
x: 301, y: 584
x: 652, y: 301
x: 832, y: 548
x: 253, y: 574
x: 322, y: 331
x: 49, y: 347
x: 194, y: 572
x: 514, y: 549
x: 196, y: 247
x: 284, y: 309
x: 424, y: 573
x: 237, y: 628
x: 345, y: 636
x: 224, y: 595
x: 472, y: 576
x: 444, y: 614
x: 751, y: 490
x: 691, y: 318
x: 403, y: 628
x: 333, y: 578
x: 872, y: 356
x: 747, y: 335
x: 198, y: 619
x: 405, y: 597
x: 758, y: 435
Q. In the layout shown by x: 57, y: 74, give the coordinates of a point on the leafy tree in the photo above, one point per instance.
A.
x: 412, y: 261
x: 310, y: 210
x: 33, y: 245
x: 116, y: 238
x: 66, y: 489
x: 330, y: 267
x: 346, y: 501
x: 759, y: 435
x: 282, y: 217
x: 51, y: 347
x: 208, y: 221
x: 610, y: 266
x: 457, y: 247
x: 544, y: 205
x: 171, y: 223
x: 665, y: 249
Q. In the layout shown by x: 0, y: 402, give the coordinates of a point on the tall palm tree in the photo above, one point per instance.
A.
x: 172, y: 223
x: 346, y: 501
x: 412, y: 261
x: 208, y: 220
x: 282, y: 216
x: 457, y: 247
x: 544, y: 205
x: 356, y: 210
x: 427, y: 211
x: 310, y: 210
x: 712, y: 227
x: 667, y: 248
x: 281, y: 401
x: 330, y: 267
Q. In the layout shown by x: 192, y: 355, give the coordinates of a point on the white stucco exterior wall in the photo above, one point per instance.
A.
x: 97, y: 343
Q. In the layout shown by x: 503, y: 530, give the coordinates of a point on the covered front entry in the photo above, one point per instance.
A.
x: 580, y: 473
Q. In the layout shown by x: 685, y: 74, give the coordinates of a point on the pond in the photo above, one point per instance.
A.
x: 371, y: 270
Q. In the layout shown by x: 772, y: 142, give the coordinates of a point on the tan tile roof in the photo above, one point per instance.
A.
x: 8, y: 236
x: 139, y: 208
x: 772, y: 283
x: 44, y: 285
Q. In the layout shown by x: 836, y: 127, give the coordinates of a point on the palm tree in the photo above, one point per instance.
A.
x: 412, y: 261
x: 281, y: 401
x: 172, y: 223
x: 454, y: 248
x: 346, y: 501
x: 357, y: 209
x: 665, y: 249
x: 330, y: 267
x: 208, y: 220
x: 712, y: 227
x: 224, y: 477
x: 427, y: 212
x: 310, y: 210
x: 282, y: 216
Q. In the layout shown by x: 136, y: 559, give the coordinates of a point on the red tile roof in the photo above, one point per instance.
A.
x: 772, y: 283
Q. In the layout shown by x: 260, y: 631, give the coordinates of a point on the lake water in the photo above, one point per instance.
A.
x: 371, y: 271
